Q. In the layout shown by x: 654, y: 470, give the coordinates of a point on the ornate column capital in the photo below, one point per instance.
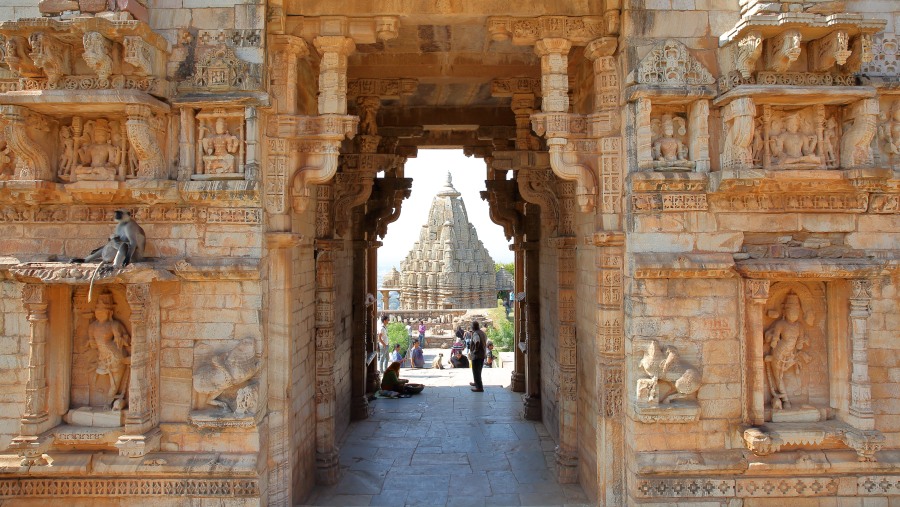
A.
x: 289, y: 44
x: 757, y: 291
x: 600, y: 48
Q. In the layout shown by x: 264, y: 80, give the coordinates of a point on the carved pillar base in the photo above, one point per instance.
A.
x: 328, y: 469
x: 31, y: 449
x: 566, y: 466
x: 136, y: 446
x: 359, y: 408
x: 517, y: 382
x: 533, y: 411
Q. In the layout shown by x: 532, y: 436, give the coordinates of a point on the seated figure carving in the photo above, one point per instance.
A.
x: 793, y: 149
x: 98, y: 157
x: 219, y: 148
x: 669, y: 152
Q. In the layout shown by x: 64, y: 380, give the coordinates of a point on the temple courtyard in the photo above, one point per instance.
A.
x: 449, y: 446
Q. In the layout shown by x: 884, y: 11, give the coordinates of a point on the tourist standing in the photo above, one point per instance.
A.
x: 422, y: 333
x: 479, y: 351
x: 384, y: 352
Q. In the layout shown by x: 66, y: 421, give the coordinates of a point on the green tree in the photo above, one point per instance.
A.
x: 502, y: 332
x: 397, y: 335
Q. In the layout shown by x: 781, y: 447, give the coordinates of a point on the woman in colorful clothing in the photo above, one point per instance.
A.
x: 422, y: 333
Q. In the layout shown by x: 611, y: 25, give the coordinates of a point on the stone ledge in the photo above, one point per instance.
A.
x: 682, y: 265
x: 797, y: 96
x: 86, y: 102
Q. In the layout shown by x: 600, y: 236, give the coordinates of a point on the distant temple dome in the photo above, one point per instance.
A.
x: 448, y: 267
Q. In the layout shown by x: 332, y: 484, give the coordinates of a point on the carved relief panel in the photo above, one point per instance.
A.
x: 672, y: 137
x: 94, y: 150
x: 220, y: 144
x: 888, y: 140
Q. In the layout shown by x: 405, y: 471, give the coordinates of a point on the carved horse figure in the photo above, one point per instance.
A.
x: 226, y: 370
x: 664, y: 364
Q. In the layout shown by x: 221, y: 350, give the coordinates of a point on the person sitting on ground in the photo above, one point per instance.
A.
x: 458, y: 345
x: 396, y: 355
x: 417, y: 355
x: 458, y: 360
x: 391, y: 381
x: 489, y: 358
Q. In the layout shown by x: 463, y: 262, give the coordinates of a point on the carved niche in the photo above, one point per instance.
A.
x: 220, y: 144
x: 889, y: 133
x: 218, y: 69
x: 101, y: 362
x: 94, y: 150
x: 673, y: 137
x: 670, y: 63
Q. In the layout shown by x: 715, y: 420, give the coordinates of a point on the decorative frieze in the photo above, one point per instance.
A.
x: 128, y: 487
x: 791, y: 202
x: 217, y: 68
x: 670, y: 63
x: 645, y: 203
x: 527, y: 31
x: 151, y: 214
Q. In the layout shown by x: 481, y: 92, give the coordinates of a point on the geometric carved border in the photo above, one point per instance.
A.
x: 764, y: 487
x: 38, y: 487
x: 878, y: 485
x: 143, y: 214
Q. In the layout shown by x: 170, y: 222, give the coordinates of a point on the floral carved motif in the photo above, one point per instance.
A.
x: 670, y: 63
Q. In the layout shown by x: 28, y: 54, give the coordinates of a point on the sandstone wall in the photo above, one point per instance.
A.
x: 588, y: 372
x: 343, y: 336
x: 14, y: 334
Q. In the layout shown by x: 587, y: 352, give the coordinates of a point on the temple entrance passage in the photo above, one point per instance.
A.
x: 449, y: 446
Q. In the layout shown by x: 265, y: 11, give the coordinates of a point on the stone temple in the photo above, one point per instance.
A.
x: 448, y: 267
x: 703, y: 197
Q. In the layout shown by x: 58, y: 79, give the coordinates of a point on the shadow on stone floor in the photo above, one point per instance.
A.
x: 448, y: 447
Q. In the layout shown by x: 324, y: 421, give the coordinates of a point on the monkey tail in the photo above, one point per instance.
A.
x: 93, y: 277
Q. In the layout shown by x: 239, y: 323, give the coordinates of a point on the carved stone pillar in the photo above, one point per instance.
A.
x: 533, y: 409
x: 286, y: 50
x: 738, y: 117
x: 517, y: 380
x: 36, y: 418
x: 554, y: 54
x: 757, y: 293
x: 143, y: 139
x: 373, y: 382
x: 333, y: 72
x: 141, y: 421
x: 359, y: 403
x: 567, y: 450
x: 279, y: 365
x: 327, y: 458
x: 861, y: 414
x: 186, y: 151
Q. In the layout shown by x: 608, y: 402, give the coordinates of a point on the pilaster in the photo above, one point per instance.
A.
x: 756, y: 296
x: 36, y: 418
x: 861, y: 414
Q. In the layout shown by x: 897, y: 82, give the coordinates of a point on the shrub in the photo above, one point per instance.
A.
x: 502, y: 333
x: 397, y: 335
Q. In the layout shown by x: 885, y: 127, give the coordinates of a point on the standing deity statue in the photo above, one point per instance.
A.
x: 112, y: 342
x: 219, y: 149
x: 786, y: 338
x: 669, y: 151
x: 793, y: 149
x: 98, y: 157
x: 890, y: 133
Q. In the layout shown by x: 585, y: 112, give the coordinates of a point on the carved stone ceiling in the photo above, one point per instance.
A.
x: 451, y: 55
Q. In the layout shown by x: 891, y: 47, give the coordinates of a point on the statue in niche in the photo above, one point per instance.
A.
x: 830, y: 143
x: 98, y: 156
x: 224, y: 371
x: 67, y: 155
x: 889, y: 132
x: 219, y: 148
x: 786, y: 339
x: 110, y: 338
x: 792, y: 148
x: 665, y: 365
x: 669, y: 151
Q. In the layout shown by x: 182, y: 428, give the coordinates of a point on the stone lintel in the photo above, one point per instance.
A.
x: 682, y: 265
x: 670, y: 95
x: 81, y: 274
x: 206, y: 269
x: 731, y: 461
x: 71, y: 30
x: 797, y: 96
x: 221, y: 99
x: 82, y: 102
x: 606, y: 239
x: 363, y: 30
x: 816, y: 269
x: 812, y: 180
x: 579, y: 30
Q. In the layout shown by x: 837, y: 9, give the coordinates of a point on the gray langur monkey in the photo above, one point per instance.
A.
x: 436, y: 364
x: 124, y: 246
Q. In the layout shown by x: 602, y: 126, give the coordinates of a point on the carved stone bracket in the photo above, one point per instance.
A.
x: 353, y: 186
x: 144, y: 139
x: 385, y: 203
x: 21, y: 127
x: 502, y: 196
x: 538, y: 186
x: 98, y: 54
x: 51, y: 55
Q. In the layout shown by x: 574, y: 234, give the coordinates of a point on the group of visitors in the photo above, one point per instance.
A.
x: 474, y: 340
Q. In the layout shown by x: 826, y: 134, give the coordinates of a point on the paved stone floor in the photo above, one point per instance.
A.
x: 449, y: 447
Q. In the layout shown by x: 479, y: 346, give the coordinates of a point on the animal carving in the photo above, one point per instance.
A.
x: 664, y: 365
x: 224, y: 371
